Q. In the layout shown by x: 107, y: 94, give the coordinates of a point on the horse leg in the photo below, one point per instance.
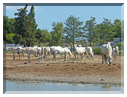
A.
x: 102, y: 58
x: 19, y: 55
x: 114, y: 57
x: 13, y: 56
x: 75, y: 58
x: 107, y: 59
x: 82, y: 57
x: 65, y: 57
x: 54, y: 56
x: 117, y: 58
x: 78, y: 58
x: 42, y: 57
x: 23, y: 55
x: 29, y: 58
x: 49, y: 53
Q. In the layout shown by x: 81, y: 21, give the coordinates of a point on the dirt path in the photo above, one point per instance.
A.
x: 90, y: 71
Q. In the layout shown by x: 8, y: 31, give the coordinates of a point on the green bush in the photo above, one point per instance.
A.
x: 121, y: 52
x: 97, y: 51
x: 120, y: 44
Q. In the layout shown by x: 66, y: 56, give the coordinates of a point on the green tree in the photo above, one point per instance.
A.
x: 117, y: 28
x: 17, y: 39
x: 107, y: 30
x: 26, y: 26
x: 56, y: 34
x: 9, y: 38
x: 8, y: 28
x: 73, y: 30
x: 43, y: 36
x: 91, y: 33
x: 122, y: 29
x: 46, y: 36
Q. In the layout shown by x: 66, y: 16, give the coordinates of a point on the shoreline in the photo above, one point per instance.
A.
x: 66, y: 79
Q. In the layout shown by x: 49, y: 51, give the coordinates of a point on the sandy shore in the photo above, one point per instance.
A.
x: 90, y: 71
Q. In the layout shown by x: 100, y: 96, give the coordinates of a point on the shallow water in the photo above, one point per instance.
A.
x: 48, y: 87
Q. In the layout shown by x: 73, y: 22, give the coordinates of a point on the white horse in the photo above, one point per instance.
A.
x: 40, y: 48
x: 22, y: 50
x: 89, y: 51
x: 115, y: 53
x: 79, y: 51
x: 60, y: 50
x: 34, y: 51
x: 106, y: 52
x: 14, y: 50
x: 46, y: 51
x: 8, y: 48
x: 52, y: 48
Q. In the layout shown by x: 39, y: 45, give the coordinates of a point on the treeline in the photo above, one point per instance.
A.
x: 23, y: 30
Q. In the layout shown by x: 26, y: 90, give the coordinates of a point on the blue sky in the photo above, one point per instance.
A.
x: 45, y: 15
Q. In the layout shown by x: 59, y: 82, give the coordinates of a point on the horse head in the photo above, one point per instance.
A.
x: 116, y: 49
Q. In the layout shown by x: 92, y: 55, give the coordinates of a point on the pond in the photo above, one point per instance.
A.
x: 41, y: 87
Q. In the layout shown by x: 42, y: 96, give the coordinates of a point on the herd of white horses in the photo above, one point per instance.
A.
x: 106, y: 51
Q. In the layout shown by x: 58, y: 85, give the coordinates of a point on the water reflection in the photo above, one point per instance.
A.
x: 48, y: 86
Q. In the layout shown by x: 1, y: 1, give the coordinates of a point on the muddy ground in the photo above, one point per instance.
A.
x: 90, y: 71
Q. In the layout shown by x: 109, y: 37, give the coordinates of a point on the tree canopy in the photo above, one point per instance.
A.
x: 73, y: 30
x: 23, y: 30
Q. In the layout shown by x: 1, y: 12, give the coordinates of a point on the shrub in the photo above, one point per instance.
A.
x: 121, y: 52
x: 97, y: 51
x: 120, y: 44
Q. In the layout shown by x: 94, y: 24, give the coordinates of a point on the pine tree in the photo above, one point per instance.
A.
x: 56, y: 34
x: 25, y: 26
x: 73, y: 30
x: 90, y: 32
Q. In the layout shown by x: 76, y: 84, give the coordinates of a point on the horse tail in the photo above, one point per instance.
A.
x: 104, y: 57
x: 86, y: 53
x: 69, y: 52
x: 43, y: 51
